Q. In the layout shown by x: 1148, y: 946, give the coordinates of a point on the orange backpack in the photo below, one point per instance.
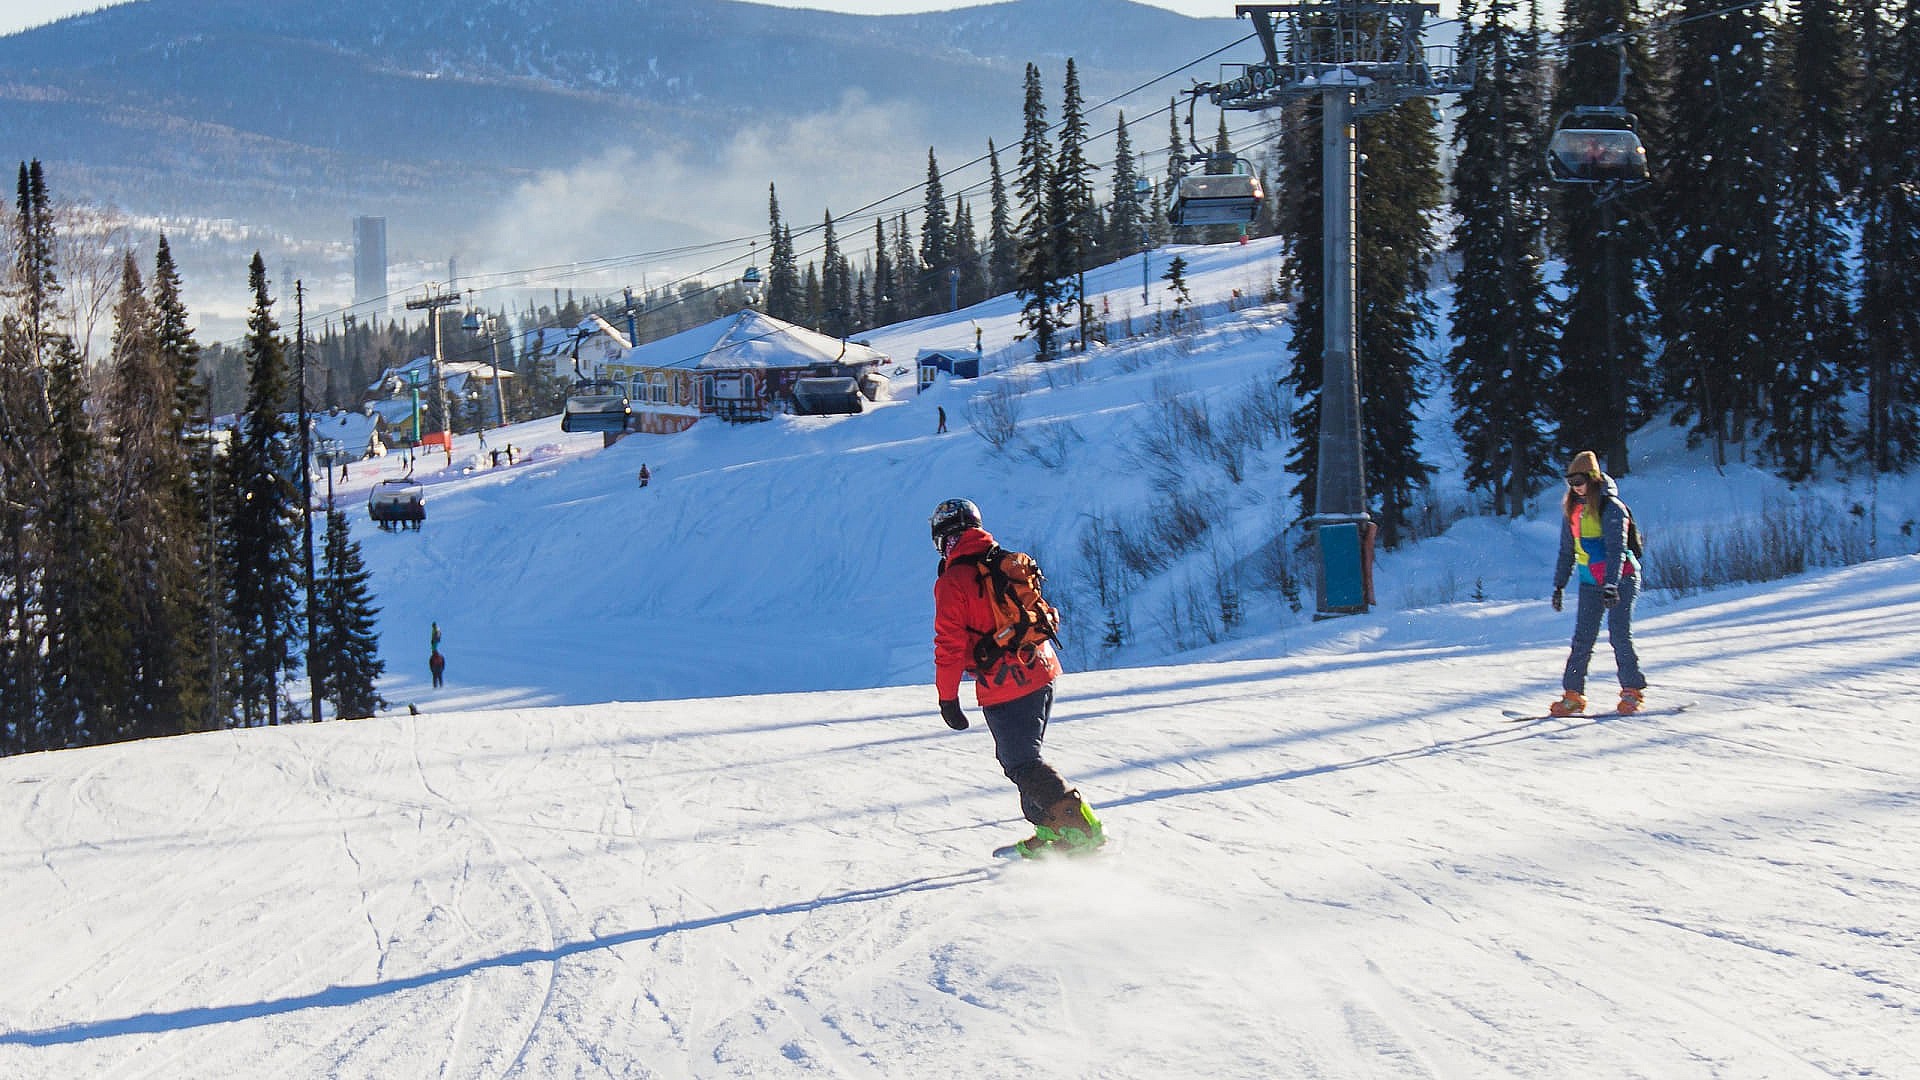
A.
x: 1022, y: 618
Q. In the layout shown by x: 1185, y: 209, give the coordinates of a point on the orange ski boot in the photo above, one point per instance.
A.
x: 1570, y: 704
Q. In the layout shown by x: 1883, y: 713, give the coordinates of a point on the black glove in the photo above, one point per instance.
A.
x: 1559, y: 599
x: 1610, y: 595
x: 950, y: 712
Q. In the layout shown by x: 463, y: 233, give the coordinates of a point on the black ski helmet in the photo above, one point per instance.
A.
x: 951, y: 518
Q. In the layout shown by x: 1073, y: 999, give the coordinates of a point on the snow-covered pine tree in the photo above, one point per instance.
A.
x: 1076, y: 216
x: 1818, y: 350
x: 86, y: 664
x: 836, y: 282
x: 906, y: 268
x: 1501, y: 366
x: 1176, y: 168
x: 147, y: 480
x: 1037, y: 276
x: 262, y: 518
x: 1003, y: 248
x: 26, y: 304
x: 784, y: 299
x: 886, y: 302
x: 1604, y: 241
x: 1890, y: 232
x: 1400, y: 190
x: 1718, y: 178
x: 1125, y: 231
x: 972, y: 285
x: 184, y: 467
x: 347, y: 648
x: 936, y: 244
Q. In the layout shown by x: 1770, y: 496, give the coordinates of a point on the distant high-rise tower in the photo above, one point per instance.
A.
x: 370, y: 261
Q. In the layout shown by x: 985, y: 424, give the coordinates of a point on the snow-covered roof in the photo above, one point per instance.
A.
x: 395, y: 380
x: 750, y: 339
x: 349, y: 429
x: 397, y: 412
x: 552, y: 341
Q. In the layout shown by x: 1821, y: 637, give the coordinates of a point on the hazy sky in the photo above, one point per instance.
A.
x: 18, y: 15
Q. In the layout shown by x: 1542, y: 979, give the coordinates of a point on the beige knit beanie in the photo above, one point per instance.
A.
x: 1585, y: 463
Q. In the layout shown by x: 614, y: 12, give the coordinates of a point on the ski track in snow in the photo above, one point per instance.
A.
x: 1306, y: 879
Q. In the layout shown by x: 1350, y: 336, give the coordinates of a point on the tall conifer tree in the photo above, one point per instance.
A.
x: 784, y: 298
x: 184, y: 462
x: 936, y: 244
x: 1037, y: 279
x: 1818, y: 345
x: 147, y: 481
x: 972, y: 283
x: 1890, y: 233
x: 1003, y: 254
x: 347, y: 646
x: 886, y: 303
x: 1126, y: 215
x: 263, y: 519
x: 1717, y: 174
x: 1501, y: 365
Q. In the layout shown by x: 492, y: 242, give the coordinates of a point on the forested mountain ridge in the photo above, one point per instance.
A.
x: 302, y: 115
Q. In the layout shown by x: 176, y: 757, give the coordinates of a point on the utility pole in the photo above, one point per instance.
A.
x: 1358, y: 58
x: 433, y: 303
x: 306, y: 487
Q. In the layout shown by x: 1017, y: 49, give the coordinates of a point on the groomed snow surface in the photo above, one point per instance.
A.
x: 685, y: 807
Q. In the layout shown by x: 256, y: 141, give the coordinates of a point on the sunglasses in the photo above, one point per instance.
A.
x: 1579, y: 481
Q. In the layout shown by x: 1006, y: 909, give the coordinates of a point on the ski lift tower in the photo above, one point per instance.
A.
x: 432, y: 304
x: 1358, y: 58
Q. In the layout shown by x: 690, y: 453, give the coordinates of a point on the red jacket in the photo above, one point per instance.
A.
x: 961, y: 616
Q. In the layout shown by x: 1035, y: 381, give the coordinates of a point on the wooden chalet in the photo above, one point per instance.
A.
x: 741, y: 367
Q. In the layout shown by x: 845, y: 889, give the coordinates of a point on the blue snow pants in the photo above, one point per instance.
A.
x: 1019, y: 728
x: 1586, y: 630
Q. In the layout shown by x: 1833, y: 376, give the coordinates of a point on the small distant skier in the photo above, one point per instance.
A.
x: 1015, y: 694
x: 1593, y: 541
x: 436, y: 635
x: 942, y: 411
x: 437, y: 663
x: 644, y: 475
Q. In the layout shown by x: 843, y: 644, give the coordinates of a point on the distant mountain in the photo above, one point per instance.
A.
x: 297, y: 115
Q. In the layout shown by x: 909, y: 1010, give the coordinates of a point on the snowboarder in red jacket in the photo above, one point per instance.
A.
x: 1015, y: 693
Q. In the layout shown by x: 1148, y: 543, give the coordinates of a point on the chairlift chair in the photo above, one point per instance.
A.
x: 397, y: 502
x: 1218, y: 199
x: 1597, y: 145
x: 596, y: 405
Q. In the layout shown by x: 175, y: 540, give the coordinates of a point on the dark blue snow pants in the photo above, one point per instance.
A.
x: 1586, y: 630
x: 1019, y: 727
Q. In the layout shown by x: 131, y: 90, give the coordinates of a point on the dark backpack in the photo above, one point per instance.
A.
x: 1022, y: 618
x: 1636, y: 543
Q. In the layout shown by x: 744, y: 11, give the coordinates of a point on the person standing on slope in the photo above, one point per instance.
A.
x: 1015, y: 692
x: 1593, y: 543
